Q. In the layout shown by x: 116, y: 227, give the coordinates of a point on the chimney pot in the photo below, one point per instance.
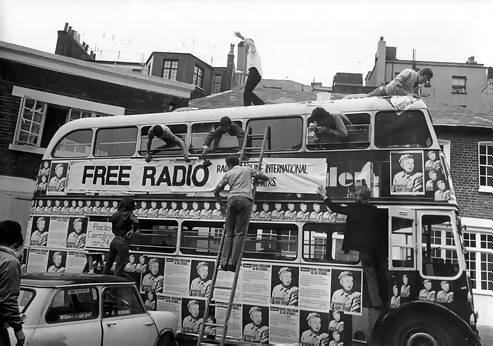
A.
x: 381, y: 38
x: 65, y: 28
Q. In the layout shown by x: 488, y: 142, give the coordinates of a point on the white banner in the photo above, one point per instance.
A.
x: 294, y: 175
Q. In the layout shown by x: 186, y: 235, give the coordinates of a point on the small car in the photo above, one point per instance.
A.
x: 89, y: 309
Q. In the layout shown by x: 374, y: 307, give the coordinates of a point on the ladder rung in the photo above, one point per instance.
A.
x: 253, y: 148
x: 223, y: 287
x: 256, y: 136
x: 210, y: 324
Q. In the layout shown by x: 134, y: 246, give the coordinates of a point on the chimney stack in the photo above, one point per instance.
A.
x: 471, y: 60
x: 65, y: 28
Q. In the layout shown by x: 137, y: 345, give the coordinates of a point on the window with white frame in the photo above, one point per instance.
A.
x: 170, y: 69
x: 479, y: 258
x: 216, y: 86
x: 485, y: 150
x: 198, y: 76
x: 459, y: 84
x: 31, y: 121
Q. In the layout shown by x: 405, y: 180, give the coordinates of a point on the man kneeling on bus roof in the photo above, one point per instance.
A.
x: 238, y: 210
x: 365, y: 233
x: 164, y: 133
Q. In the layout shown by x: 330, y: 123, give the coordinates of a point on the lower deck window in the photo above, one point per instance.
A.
x: 201, y: 238
x: 155, y: 236
x: 323, y: 243
x: 272, y: 241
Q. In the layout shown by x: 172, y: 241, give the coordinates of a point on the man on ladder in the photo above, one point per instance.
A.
x: 238, y: 208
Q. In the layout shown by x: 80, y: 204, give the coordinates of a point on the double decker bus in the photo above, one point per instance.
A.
x: 296, y: 284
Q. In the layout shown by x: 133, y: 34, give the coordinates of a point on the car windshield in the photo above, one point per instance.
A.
x: 24, y: 299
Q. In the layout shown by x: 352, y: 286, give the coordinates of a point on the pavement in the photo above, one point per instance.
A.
x: 486, y: 335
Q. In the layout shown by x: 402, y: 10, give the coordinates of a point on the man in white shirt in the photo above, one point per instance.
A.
x: 254, y: 68
x: 405, y: 83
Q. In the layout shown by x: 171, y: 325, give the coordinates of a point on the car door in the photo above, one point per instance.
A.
x: 72, y: 318
x: 125, y: 320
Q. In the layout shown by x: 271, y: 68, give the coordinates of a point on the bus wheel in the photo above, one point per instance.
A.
x: 419, y: 331
x: 167, y: 339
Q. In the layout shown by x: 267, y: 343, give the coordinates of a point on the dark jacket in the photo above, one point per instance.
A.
x: 234, y: 130
x: 10, y: 280
x: 365, y: 228
x: 123, y: 221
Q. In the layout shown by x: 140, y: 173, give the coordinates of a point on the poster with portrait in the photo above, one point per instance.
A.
x: 254, y: 283
x: 57, y: 261
x: 38, y: 259
x: 57, y: 180
x: 150, y: 300
x: 314, y: 327
x: 346, y: 288
x: 42, y: 177
x: 153, y: 277
x: 201, y: 278
x: 39, y: 231
x: 284, y: 325
x: 171, y: 304
x: 57, y: 237
x: 284, y: 285
x: 407, y: 172
x: 436, y: 182
x: 316, y: 286
x: 177, y: 273
x: 234, y: 323
x: 192, y: 311
x: 255, y: 323
x: 77, y: 231
x: 404, y: 287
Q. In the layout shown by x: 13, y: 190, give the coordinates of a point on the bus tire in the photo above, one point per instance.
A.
x: 167, y: 339
x: 415, y: 330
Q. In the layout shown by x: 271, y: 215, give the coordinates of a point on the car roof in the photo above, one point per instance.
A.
x: 66, y: 279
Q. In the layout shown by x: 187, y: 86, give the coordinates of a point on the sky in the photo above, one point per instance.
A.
x: 300, y: 40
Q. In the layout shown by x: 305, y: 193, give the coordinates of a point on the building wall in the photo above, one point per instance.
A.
x: 186, y: 64
x: 465, y: 170
x: 441, y: 84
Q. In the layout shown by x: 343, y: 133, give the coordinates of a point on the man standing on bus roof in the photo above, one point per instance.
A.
x: 364, y: 233
x: 254, y: 69
x: 225, y: 126
x: 238, y: 208
x: 164, y: 133
x: 405, y: 83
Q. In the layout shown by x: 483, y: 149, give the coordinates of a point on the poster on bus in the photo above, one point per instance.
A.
x: 407, y: 172
x: 254, y: 283
x: 177, y: 274
x: 38, y: 260
x: 284, y: 285
x: 57, y: 261
x: 255, y: 323
x: 99, y: 235
x: 346, y: 288
x: 316, y: 284
x: 333, y: 328
x: 153, y: 277
x: 234, y: 323
x: 39, y: 231
x: 293, y: 175
x: 57, y: 181
x: 192, y: 311
x: 172, y: 304
x: 201, y: 278
x: 284, y: 325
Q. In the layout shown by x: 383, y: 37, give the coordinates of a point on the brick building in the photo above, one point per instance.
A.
x: 39, y: 92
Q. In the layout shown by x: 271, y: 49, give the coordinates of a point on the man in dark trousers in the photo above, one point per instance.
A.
x: 124, y: 225
x: 239, y: 208
x: 225, y: 126
x: 365, y: 232
x: 10, y: 279
x: 254, y: 69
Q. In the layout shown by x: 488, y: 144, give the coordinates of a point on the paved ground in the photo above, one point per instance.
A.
x: 486, y: 334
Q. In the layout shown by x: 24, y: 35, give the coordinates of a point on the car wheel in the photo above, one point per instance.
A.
x: 167, y: 339
x: 419, y: 331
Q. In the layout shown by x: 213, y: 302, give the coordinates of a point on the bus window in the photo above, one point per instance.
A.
x: 119, y: 141
x: 75, y: 144
x: 402, y: 243
x: 156, y: 236
x: 285, y: 133
x: 323, y: 243
x: 201, y: 237
x: 272, y: 241
x: 358, y: 134
x: 438, y: 248
x: 227, y: 143
x: 408, y: 129
x: 179, y: 130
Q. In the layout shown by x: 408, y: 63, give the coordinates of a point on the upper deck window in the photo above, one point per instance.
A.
x: 323, y: 134
x: 119, y: 141
x: 201, y: 237
x: 155, y: 236
x: 75, y: 144
x: 158, y: 147
x: 226, y: 144
x: 408, y: 129
x: 285, y: 134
